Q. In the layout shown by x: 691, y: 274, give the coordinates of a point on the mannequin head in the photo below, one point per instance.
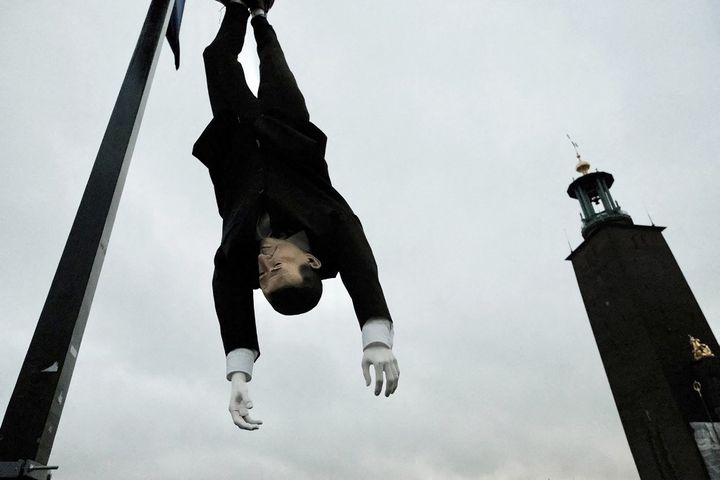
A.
x: 289, y: 276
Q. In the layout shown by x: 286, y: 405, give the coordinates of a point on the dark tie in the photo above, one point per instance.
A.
x: 263, y: 228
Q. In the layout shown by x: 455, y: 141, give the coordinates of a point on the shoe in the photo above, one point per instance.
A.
x: 262, y: 4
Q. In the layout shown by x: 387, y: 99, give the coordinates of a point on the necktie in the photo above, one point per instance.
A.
x: 263, y: 228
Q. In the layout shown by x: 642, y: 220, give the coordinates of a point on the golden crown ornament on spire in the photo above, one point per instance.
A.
x: 583, y: 166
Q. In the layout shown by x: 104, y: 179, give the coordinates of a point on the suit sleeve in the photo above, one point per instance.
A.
x: 359, y: 273
x: 234, y: 306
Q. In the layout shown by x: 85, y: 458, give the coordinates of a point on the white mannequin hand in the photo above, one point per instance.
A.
x: 240, y: 403
x: 382, y: 358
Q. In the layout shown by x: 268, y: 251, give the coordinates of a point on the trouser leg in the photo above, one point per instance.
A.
x: 227, y: 87
x: 278, y: 93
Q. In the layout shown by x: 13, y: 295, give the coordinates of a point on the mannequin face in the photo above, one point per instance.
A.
x: 279, y: 264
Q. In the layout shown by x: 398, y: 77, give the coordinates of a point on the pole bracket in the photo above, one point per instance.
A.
x: 26, y: 469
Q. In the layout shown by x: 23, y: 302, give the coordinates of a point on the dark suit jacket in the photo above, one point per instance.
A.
x: 269, y: 165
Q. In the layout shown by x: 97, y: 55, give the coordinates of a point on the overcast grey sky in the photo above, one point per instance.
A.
x: 446, y: 125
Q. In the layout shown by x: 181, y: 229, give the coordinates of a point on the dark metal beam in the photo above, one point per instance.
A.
x: 33, y: 413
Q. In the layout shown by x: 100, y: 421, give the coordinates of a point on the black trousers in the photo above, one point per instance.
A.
x: 278, y: 94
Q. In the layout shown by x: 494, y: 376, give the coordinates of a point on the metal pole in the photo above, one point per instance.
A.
x: 33, y: 413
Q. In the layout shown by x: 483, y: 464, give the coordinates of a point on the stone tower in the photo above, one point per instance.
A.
x: 642, y: 314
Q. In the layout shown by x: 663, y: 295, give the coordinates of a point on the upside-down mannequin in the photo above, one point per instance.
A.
x: 285, y: 228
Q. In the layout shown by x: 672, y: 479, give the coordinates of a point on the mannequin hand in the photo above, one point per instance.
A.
x: 240, y: 403
x: 382, y: 358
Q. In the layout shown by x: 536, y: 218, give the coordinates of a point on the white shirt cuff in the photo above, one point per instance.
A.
x: 241, y: 360
x: 378, y: 330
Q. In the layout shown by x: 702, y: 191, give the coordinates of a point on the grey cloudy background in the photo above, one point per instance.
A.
x: 447, y: 126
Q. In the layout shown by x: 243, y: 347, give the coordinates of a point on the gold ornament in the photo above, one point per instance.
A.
x: 699, y: 350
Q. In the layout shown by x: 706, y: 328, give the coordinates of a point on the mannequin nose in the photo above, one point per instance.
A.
x: 264, y: 262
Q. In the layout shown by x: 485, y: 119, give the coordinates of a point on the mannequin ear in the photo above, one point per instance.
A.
x: 313, y: 261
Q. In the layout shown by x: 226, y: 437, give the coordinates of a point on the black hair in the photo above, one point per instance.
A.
x: 301, y: 298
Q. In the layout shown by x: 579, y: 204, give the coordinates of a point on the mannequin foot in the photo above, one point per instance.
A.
x: 228, y: 2
x: 255, y: 5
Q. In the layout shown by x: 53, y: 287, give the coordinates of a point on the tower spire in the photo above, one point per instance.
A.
x: 592, y: 190
x: 582, y: 166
